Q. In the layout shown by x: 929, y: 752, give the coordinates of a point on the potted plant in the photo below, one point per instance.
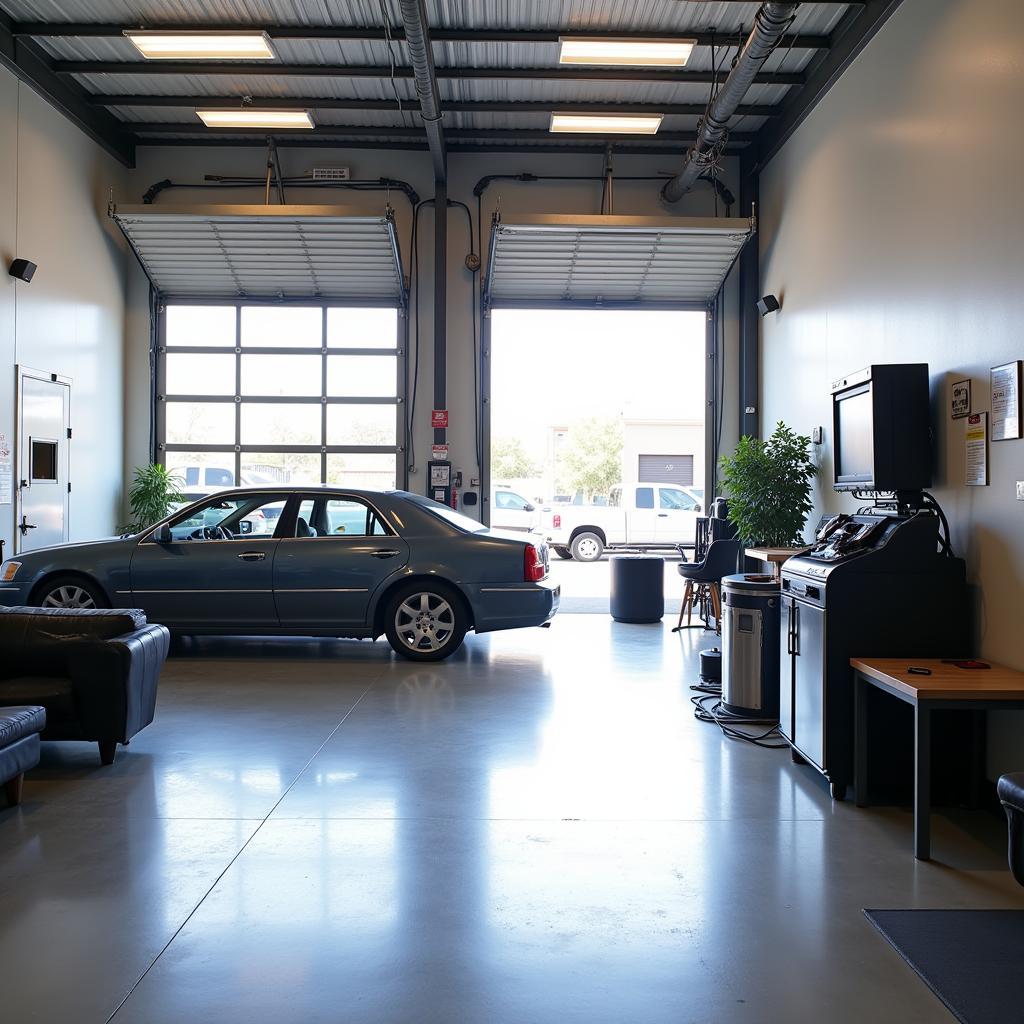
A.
x: 769, y: 487
x: 153, y: 493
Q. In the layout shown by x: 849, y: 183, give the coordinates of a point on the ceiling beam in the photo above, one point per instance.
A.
x: 855, y: 30
x: 30, y: 64
x: 623, y: 147
x: 449, y: 106
x: 384, y: 131
x: 273, y: 69
x: 93, y: 30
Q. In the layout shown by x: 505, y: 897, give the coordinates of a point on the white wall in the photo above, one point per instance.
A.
x: 186, y: 164
x: 54, y: 187
x: 891, y: 229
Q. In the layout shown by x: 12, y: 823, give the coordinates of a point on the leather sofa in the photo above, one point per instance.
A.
x: 95, y: 671
x: 19, y: 747
x: 1010, y: 790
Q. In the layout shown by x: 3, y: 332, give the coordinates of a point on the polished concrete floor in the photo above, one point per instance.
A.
x: 535, y: 831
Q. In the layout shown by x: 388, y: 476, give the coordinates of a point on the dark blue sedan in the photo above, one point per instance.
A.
x: 314, y: 561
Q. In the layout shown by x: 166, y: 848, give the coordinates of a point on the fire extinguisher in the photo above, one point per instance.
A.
x: 456, y: 485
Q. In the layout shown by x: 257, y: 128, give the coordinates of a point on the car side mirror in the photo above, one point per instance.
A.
x: 162, y: 534
x: 245, y: 526
x: 697, y: 508
x: 529, y: 508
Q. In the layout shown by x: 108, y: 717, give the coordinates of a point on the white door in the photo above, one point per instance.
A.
x: 677, y: 516
x: 44, y: 417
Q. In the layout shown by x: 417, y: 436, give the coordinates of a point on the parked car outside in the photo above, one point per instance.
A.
x: 511, y: 511
x: 313, y: 561
x: 642, y: 517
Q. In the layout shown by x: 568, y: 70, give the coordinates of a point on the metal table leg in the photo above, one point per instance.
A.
x: 860, y: 740
x: 922, y: 780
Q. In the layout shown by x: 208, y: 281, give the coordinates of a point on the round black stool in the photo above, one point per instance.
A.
x: 638, y: 588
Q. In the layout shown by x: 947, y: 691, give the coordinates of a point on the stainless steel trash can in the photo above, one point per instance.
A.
x: 750, y: 646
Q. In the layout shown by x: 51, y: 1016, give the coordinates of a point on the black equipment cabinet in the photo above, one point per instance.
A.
x: 888, y: 594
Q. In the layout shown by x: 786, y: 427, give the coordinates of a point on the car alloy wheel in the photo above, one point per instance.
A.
x: 425, y: 622
x: 69, y: 596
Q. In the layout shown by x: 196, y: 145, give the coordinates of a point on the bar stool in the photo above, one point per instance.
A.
x: 702, y: 582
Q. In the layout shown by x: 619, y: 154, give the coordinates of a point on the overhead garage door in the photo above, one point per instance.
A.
x: 323, y: 252
x: 612, y: 261
x: 666, y: 469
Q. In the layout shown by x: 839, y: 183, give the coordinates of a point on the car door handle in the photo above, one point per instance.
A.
x: 385, y: 553
x: 663, y: 515
x: 252, y: 556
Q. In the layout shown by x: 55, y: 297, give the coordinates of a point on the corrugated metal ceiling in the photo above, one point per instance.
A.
x: 729, y: 20
x: 594, y: 260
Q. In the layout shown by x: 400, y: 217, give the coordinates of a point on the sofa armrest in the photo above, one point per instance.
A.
x: 114, y: 682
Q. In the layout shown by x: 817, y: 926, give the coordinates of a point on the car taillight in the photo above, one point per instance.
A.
x: 533, y: 565
x: 556, y: 522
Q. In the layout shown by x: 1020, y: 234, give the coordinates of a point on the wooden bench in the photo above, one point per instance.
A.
x: 948, y: 687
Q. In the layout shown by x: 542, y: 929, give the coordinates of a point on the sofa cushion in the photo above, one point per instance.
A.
x: 54, y: 693
x: 39, y: 640
x: 1010, y: 789
x: 18, y: 722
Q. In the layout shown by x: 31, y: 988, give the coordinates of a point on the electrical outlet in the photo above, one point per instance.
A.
x: 1020, y: 490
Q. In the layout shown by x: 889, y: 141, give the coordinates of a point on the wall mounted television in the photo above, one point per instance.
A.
x: 881, y: 426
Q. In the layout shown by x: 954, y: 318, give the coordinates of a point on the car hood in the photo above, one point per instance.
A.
x: 92, y: 546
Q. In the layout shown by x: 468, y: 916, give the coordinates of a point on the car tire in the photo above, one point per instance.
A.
x: 586, y: 547
x: 70, y: 592
x: 425, y: 621
x: 563, y: 553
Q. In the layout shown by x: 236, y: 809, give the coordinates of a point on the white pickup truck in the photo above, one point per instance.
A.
x: 641, y: 517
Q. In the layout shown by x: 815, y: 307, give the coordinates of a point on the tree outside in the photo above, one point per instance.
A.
x: 592, y: 459
x: 510, y: 460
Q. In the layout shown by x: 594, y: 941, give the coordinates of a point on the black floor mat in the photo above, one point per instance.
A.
x: 971, y: 959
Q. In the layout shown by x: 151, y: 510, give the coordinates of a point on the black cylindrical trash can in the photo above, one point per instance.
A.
x: 750, y: 646
x: 638, y: 588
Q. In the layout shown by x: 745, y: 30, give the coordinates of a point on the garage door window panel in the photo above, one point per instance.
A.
x: 260, y: 394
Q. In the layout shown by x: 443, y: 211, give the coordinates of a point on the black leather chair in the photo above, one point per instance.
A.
x: 1010, y: 789
x: 95, y: 671
x: 19, y: 747
x: 702, y: 582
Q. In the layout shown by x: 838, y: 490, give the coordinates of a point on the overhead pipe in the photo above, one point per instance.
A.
x: 770, y: 24
x: 417, y: 39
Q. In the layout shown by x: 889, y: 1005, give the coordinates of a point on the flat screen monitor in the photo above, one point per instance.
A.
x: 855, y: 438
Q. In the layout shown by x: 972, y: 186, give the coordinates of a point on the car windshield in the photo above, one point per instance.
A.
x: 449, y: 515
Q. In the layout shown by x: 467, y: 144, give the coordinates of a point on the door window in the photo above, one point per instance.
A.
x: 508, y: 500
x: 240, y: 518
x: 645, y: 497
x: 337, y: 517
x: 672, y: 498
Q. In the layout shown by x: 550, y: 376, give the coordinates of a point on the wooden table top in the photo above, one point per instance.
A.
x: 773, y: 554
x: 947, y: 682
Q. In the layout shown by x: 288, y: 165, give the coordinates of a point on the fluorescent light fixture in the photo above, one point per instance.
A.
x: 607, y: 124
x: 640, y: 53
x: 164, y: 45
x: 249, y: 117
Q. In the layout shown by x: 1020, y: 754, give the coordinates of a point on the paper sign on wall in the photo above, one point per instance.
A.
x: 439, y: 419
x: 6, y: 471
x: 1006, y: 401
x: 439, y: 451
x: 976, y: 445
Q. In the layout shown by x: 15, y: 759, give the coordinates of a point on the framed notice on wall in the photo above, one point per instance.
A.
x: 976, y: 449
x: 1006, y: 409
x: 960, y: 402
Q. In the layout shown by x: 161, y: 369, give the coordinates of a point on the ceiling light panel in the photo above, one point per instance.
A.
x: 607, y: 124
x: 247, y: 117
x: 157, y: 45
x: 640, y: 53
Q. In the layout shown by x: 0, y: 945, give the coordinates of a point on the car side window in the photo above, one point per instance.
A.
x: 238, y: 518
x: 506, y: 499
x: 337, y: 517
x: 645, y: 497
x: 672, y: 498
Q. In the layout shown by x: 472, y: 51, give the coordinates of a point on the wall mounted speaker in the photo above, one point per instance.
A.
x: 767, y: 304
x: 22, y: 270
